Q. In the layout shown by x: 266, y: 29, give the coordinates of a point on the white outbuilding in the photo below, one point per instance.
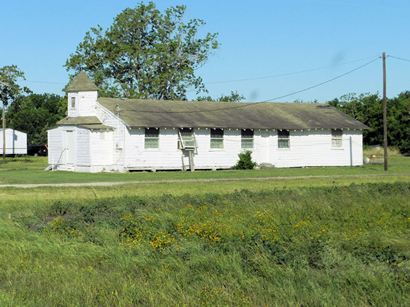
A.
x: 16, y: 142
x: 110, y: 134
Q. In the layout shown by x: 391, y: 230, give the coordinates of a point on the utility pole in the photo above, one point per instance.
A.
x: 384, y: 111
x: 3, y: 115
x: 4, y: 124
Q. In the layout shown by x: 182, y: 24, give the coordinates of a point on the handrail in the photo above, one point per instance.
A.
x: 183, y: 142
x: 59, y: 159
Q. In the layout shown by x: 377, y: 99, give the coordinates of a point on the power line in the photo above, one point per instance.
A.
x: 399, y: 58
x: 324, y: 82
x: 237, y: 80
x: 45, y: 82
x: 269, y: 100
x: 284, y: 74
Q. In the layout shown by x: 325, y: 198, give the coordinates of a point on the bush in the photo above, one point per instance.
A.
x: 245, y: 161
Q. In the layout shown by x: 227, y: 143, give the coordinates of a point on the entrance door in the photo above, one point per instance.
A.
x: 69, y: 148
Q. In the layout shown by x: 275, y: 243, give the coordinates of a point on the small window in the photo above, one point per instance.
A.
x: 217, y: 138
x: 283, y: 138
x: 188, y: 139
x: 72, y: 102
x: 247, y: 139
x: 151, y: 138
x: 337, y: 138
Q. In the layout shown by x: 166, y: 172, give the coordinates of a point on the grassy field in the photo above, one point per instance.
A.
x: 21, y: 171
x: 31, y: 170
x: 261, y: 237
x: 323, y: 246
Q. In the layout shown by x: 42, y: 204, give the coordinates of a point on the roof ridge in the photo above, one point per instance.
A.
x: 215, y: 102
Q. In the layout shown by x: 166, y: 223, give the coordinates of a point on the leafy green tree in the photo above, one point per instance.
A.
x: 399, y: 121
x: 145, y: 53
x: 35, y: 114
x: 232, y: 97
x: 9, y: 87
x: 368, y: 108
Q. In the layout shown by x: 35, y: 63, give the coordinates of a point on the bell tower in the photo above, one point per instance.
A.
x: 82, y: 96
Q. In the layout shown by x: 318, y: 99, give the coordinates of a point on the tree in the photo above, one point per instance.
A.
x: 368, y: 108
x: 9, y: 91
x: 145, y: 53
x: 399, y: 121
x: 35, y: 114
x: 9, y: 87
x: 233, y: 97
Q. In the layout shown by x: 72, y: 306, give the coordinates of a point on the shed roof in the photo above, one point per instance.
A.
x: 81, y: 83
x: 79, y: 120
x: 96, y: 127
x: 178, y: 114
x: 86, y: 122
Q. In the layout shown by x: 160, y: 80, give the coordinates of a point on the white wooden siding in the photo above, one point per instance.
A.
x: 55, y: 146
x: 101, y: 145
x: 118, y: 134
x: 168, y: 154
x: 83, y: 147
x: 314, y: 148
x: 307, y: 148
x: 85, y: 104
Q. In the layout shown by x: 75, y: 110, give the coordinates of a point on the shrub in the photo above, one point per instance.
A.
x: 245, y: 161
x: 162, y: 240
x: 131, y: 232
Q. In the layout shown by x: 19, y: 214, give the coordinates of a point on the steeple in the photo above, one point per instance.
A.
x: 81, y: 83
x: 82, y: 96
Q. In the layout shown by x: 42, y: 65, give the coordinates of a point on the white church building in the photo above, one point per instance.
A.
x: 110, y: 134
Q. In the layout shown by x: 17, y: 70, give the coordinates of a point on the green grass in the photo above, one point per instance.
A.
x: 337, y: 245
x: 31, y: 170
x: 242, y: 241
x: 177, y: 189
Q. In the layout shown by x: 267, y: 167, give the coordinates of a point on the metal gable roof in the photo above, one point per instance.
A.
x: 154, y: 113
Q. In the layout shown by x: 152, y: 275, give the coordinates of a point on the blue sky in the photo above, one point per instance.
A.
x: 258, y: 38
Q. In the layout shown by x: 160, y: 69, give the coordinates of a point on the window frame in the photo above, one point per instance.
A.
x: 216, y: 138
x: 336, y: 138
x: 73, y: 103
x: 149, y: 136
x: 247, y: 136
x: 283, y: 139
